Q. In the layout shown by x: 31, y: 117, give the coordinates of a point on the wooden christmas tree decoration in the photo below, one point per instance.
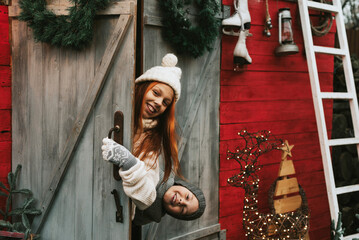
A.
x: 287, y: 185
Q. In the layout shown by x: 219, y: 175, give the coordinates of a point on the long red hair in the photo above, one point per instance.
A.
x: 160, y: 139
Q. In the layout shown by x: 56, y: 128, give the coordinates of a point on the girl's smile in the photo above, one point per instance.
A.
x: 156, y: 100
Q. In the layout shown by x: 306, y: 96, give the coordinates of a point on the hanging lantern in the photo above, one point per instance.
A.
x: 286, y: 43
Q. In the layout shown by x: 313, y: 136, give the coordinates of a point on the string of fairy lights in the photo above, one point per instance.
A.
x: 291, y: 225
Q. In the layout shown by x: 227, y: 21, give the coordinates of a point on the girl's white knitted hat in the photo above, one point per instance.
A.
x: 168, y: 73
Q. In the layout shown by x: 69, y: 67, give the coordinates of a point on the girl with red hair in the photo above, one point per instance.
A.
x: 156, y: 93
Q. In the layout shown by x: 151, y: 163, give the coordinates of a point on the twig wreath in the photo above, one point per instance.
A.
x: 73, y: 31
x: 182, y: 34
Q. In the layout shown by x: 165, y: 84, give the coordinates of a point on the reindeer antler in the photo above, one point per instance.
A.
x: 256, y: 144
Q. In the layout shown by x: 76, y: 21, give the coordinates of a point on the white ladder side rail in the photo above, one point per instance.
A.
x: 318, y: 107
x: 348, y: 72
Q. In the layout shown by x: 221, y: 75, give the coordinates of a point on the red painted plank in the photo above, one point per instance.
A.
x: 262, y: 111
x: 5, y: 123
x: 265, y: 92
x: 5, y: 97
x: 319, y: 206
x: 278, y: 128
x: 233, y: 224
x: 5, y: 152
x: 291, y: 63
x: 4, y: 14
x: 270, y: 86
x: 5, y: 53
x: 5, y: 136
x: 3, y: 179
x: 4, y: 32
x: 5, y: 168
x: 322, y: 233
x: 298, y: 139
x: 230, y: 201
x: 271, y: 79
x: 5, y: 76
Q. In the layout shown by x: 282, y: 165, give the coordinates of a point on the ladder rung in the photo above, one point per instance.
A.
x: 322, y: 6
x: 351, y: 237
x: 336, y: 95
x: 328, y: 50
x: 343, y: 141
x: 347, y: 189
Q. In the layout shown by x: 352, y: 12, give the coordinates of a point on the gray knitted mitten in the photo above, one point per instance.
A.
x: 117, y: 154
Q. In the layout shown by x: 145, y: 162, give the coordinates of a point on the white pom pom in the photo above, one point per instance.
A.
x: 170, y: 60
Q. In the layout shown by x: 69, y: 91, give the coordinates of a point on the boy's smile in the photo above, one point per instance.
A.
x: 180, y: 201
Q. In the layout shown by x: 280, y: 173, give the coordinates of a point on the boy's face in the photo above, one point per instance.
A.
x: 179, y: 200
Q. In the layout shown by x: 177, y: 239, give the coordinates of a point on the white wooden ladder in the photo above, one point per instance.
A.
x: 318, y: 96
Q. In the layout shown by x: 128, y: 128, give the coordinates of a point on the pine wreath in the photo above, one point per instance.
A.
x: 182, y: 34
x: 73, y: 31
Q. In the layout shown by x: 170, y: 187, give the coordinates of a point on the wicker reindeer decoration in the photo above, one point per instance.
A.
x: 291, y: 225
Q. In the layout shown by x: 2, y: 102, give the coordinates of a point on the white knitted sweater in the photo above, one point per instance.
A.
x: 140, y: 181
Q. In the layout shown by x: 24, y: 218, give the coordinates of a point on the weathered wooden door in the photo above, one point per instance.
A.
x: 197, y: 114
x: 63, y: 105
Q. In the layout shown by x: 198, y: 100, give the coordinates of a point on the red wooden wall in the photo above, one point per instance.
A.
x: 5, y: 97
x: 274, y: 94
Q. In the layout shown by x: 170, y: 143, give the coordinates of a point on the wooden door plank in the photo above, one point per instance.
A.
x: 82, y: 187
x: 192, y: 112
x: 117, y: 95
x: 208, y: 118
x: 200, y: 233
x: 92, y: 94
x: 50, y: 104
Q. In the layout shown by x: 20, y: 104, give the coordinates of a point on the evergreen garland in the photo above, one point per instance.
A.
x: 182, y: 34
x: 74, y: 31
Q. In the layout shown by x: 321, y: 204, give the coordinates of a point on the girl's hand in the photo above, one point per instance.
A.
x: 116, y: 153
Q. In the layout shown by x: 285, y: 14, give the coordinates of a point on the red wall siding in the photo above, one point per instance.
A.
x: 5, y: 97
x: 274, y: 94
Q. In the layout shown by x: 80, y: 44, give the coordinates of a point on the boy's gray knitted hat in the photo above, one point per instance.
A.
x: 156, y: 211
x: 199, y: 195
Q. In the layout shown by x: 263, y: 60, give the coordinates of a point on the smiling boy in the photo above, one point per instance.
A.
x: 176, y: 197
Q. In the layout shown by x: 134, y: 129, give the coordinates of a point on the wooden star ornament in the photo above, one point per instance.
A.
x: 286, y: 149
